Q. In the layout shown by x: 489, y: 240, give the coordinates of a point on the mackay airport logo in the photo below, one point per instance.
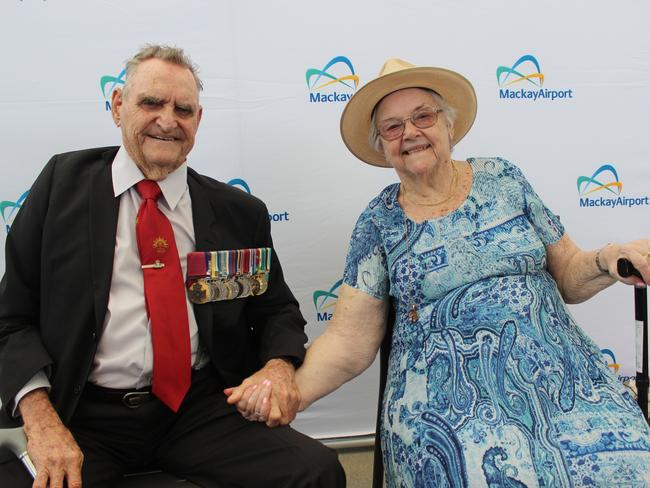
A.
x: 524, y: 80
x: 612, y: 364
x: 336, y: 82
x: 108, y: 83
x: 273, y: 217
x: 604, y: 189
x: 9, y: 209
x: 325, y: 301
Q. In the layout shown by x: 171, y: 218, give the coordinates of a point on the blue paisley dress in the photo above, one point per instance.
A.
x: 495, y: 385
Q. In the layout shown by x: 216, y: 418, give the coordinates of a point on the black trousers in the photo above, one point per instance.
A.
x: 206, y: 441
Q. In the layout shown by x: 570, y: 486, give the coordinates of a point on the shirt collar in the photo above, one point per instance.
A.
x: 126, y: 174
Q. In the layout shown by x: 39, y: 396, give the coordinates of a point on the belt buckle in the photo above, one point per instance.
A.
x: 134, y: 399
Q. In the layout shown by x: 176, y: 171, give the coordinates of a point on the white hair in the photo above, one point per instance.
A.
x: 174, y: 55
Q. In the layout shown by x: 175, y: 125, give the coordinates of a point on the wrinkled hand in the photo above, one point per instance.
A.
x: 637, y: 252
x: 50, y: 445
x: 270, y: 395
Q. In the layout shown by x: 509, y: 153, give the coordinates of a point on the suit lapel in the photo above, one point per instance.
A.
x: 205, y: 225
x: 206, y: 237
x: 103, y: 211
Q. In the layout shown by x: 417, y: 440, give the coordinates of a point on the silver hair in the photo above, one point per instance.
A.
x: 448, y: 111
x: 174, y: 55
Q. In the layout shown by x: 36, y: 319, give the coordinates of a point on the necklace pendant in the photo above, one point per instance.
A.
x: 413, y: 314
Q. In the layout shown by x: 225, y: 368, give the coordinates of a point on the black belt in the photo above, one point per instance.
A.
x: 134, y: 398
x: 128, y: 398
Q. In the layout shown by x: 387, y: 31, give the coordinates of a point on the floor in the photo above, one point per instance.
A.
x: 357, y: 463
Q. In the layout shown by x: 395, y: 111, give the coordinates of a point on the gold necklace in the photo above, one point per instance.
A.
x: 412, y: 313
x: 450, y: 192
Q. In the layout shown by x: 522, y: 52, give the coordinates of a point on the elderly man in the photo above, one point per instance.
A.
x: 101, y: 352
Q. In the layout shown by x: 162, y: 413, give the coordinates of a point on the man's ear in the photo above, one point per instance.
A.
x: 116, y: 105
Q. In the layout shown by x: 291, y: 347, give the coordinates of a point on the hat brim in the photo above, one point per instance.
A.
x: 453, y: 87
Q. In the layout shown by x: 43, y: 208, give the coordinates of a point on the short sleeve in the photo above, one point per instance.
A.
x: 546, y: 223
x: 365, y: 267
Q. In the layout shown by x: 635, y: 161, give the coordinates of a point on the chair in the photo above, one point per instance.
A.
x: 13, y: 443
x: 384, y: 353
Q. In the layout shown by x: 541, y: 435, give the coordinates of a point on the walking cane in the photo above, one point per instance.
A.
x: 625, y: 269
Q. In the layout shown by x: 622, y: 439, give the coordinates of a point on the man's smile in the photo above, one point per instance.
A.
x: 162, y: 138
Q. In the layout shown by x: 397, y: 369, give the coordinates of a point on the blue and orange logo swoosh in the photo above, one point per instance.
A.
x: 517, y: 72
x: 611, y: 363
x: 314, y: 76
x: 324, y: 300
x: 8, y: 209
x: 595, y: 182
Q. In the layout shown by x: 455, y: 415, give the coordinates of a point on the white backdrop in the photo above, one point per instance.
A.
x: 262, y: 124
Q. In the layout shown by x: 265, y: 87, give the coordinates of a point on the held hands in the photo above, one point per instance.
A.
x: 270, y: 395
x: 50, y: 444
x: 637, y: 252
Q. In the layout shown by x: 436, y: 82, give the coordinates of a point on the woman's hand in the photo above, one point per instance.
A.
x: 637, y: 252
x: 270, y: 395
x: 581, y: 274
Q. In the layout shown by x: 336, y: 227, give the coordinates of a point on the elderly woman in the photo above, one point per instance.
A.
x: 491, y: 383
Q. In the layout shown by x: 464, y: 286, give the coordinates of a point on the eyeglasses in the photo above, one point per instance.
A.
x: 422, y: 118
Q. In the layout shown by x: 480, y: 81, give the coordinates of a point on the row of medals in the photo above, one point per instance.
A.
x: 205, y: 290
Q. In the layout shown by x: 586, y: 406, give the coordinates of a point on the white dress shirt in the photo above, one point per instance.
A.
x: 124, y: 357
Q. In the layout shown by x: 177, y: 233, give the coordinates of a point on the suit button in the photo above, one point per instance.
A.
x: 77, y: 389
x: 94, y: 336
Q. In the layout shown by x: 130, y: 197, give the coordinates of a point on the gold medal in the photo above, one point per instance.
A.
x: 199, y: 292
x: 260, y: 283
x: 231, y: 289
x: 255, y: 286
x: 245, y: 285
x: 218, y: 292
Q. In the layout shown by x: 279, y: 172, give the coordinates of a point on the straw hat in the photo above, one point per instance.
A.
x: 396, y: 74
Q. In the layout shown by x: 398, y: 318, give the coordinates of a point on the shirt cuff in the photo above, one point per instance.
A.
x: 39, y: 380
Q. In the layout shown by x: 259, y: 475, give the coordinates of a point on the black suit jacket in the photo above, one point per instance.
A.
x: 59, y: 258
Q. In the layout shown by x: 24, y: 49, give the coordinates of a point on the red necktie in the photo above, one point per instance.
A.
x: 164, y: 293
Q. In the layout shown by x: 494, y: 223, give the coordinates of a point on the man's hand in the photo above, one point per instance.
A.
x: 50, y: 444
x: 270, y: 395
